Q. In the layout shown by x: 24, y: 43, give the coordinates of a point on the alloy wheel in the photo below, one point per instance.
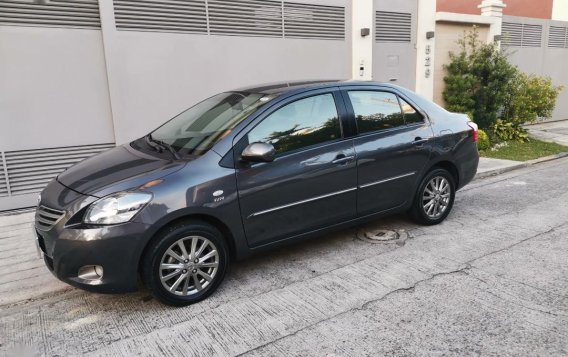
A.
x: 436, y: 197
x: 189, y: 265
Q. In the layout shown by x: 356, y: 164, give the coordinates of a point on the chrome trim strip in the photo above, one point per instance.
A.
x: 301, y: 202
x: 387, y: 180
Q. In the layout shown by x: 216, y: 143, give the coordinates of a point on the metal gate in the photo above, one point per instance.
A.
x: 394, y: 46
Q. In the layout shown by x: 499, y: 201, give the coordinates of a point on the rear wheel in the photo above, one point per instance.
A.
x: 434, y: 199
x: 186, y: 263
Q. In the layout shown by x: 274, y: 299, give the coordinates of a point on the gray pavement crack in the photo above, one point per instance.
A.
x: 364, y: 306
x: 469, y: 262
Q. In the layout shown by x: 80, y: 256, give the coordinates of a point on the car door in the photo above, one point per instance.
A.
x: 393, y: 145
x: 311, y: 183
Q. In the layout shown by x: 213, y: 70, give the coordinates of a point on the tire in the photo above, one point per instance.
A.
x: 430, y: 211
x: 188, y: 276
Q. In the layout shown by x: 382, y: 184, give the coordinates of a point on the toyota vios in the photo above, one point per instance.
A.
x: 245, y: 171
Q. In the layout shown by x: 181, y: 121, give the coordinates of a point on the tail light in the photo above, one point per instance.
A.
x: 474, y: 127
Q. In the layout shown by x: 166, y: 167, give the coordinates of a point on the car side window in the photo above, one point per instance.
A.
x: 300, y: 124
x: 411, y: 115
x: 375, y: 110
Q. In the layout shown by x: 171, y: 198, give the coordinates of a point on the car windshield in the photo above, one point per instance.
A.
x: 196, y: 130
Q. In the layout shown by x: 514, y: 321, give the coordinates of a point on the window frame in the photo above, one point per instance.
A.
x: 241, y: 141
x: 413, y: 107
x: 353, y: 119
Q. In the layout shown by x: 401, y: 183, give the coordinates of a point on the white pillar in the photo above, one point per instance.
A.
x: 362, y: 47
x: 493, y: 8
x: 425, y: 48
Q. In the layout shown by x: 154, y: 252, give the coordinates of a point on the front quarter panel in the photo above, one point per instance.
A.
x: 201, y: 189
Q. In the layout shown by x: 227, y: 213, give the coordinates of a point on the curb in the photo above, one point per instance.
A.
x: 521, y: 165
x: 545, y: 122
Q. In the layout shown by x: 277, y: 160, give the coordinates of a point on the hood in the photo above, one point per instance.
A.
x: 114, y: 170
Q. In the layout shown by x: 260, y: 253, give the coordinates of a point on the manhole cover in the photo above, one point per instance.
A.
x: 382, y: 236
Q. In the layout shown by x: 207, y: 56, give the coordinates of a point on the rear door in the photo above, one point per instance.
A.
x: 312, y: 182
x: 393, y: 145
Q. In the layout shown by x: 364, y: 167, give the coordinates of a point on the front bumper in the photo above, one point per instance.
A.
x: 66, y: 249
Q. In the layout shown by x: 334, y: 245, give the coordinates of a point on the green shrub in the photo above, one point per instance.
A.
x: 506, y: 131
x: 529, y: 98
x: 483, y: 142
x: 478, y: 79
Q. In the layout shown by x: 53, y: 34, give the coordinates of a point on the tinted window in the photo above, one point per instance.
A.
x: 299, y: 124
x: 197, y: 129
x: 411, y: 116
x: 375, y: 110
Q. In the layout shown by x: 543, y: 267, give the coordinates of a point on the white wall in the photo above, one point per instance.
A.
x: 560, y: 10
x: 53, y: 88
x: 155, y: 75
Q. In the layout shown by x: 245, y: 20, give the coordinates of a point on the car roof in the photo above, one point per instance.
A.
x: 299, y: 86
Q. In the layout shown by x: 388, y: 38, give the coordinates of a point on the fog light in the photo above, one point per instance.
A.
x: 90, y: 272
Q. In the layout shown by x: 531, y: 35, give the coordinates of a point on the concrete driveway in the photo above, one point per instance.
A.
x: 491, y: 280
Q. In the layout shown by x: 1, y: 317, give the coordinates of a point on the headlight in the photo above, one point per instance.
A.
x: 116, y: 208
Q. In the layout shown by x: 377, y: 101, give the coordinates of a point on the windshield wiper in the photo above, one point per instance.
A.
x: 159, y: 146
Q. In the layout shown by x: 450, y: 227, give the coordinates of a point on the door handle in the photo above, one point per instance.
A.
x: 342, y: 159
x: 419, y: 141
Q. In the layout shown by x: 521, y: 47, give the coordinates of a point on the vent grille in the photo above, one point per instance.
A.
x: 393, y: 27
x: 558, y: 37
x: 30, y: 171
x: 52, y: 13
x: 245, y: 18
x: 314, y: 21
x: 46, y: 218
x: 3, y: 183
x: 161, y: 15
x: 260, y: 18
x: 522, y: 35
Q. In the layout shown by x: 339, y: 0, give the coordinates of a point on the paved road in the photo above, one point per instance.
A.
x: 491, y: 280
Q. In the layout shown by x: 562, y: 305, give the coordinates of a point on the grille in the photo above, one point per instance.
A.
x: 314, y: 21
x: 245, y: 18
x: 393, y: 27
x: 47, y: 217
x: 161, y: 15
x: 29, y: 171
x: 558, y: 37
x: 3, y: 183
x: 54, y: 13
x: 522, y: 35
x: 260, y: 18
x: 41, y: 242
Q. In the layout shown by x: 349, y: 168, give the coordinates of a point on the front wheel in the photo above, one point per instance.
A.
x: 434, y: 198
x: 185, y: 264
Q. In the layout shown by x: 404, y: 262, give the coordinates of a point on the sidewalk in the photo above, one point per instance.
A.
x: 490, y: 167
x: 556, y: 132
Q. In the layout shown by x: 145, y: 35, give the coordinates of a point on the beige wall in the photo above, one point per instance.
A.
x: 447, y: 34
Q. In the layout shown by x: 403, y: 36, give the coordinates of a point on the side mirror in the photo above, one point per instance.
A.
x: 258, y: 152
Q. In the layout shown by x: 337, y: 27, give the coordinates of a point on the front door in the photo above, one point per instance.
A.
x: 392, y: 146
x: 311, y: 184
